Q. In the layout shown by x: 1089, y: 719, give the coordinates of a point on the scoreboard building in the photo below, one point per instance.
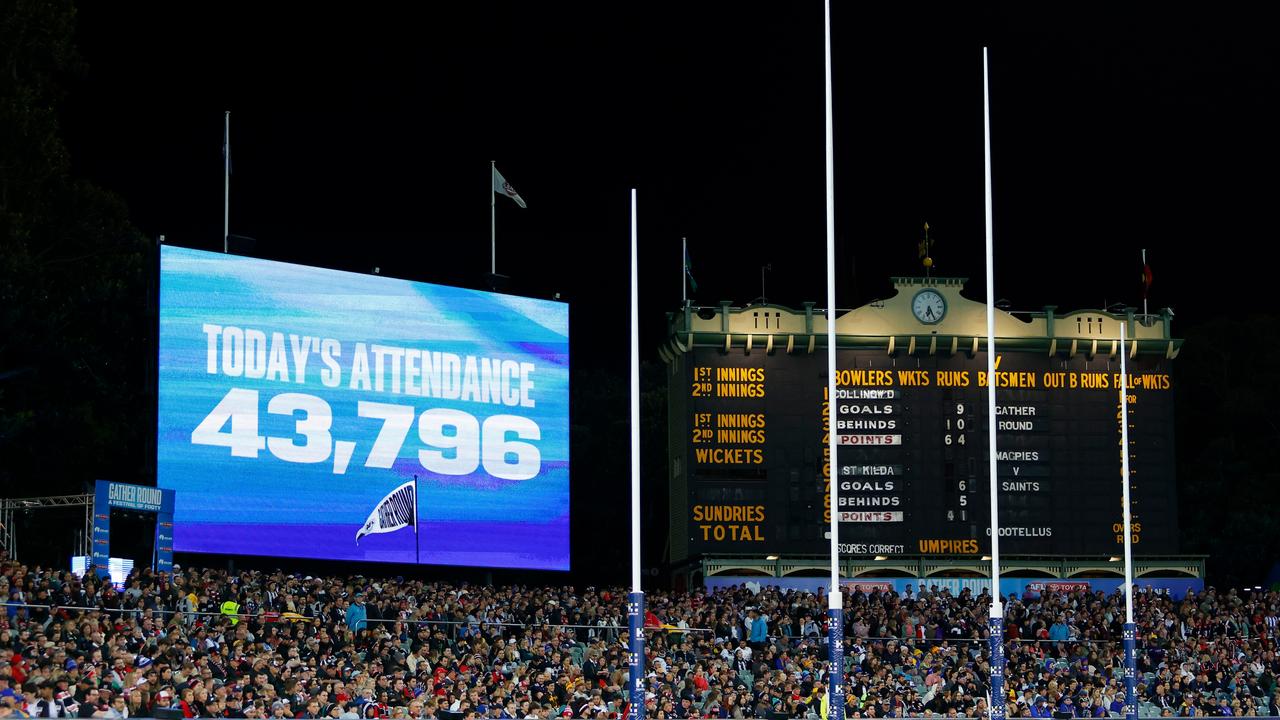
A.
x: 748, y: 424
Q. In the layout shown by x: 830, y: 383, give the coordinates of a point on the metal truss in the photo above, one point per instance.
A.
x: 10, y: 506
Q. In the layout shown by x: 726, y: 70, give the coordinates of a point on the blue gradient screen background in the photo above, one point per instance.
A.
x: 265, y: 505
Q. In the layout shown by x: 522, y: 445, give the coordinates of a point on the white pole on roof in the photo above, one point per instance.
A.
x: 684, y: 271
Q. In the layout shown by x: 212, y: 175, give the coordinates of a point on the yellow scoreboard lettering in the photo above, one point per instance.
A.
x: 1007, y: 379
x: 951, y: 378
x: 729, y: 456
x: 948, y: 547
x: 730, y: 523
x: 864, y: 378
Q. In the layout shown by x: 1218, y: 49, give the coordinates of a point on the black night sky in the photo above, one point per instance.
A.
x: 363, y: 139
x: 362, y: 135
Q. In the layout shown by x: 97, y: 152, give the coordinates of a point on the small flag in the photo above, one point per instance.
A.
x: 688, y: 270
x: 1146, y: 279
x: 399, y: 509
x: 503, y: 188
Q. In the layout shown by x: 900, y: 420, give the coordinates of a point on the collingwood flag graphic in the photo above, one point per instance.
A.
x: 399, y: 509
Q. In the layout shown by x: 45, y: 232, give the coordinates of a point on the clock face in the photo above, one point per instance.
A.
x: 928, y: 306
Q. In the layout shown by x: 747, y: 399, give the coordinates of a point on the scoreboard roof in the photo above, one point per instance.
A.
x: 890, y: 324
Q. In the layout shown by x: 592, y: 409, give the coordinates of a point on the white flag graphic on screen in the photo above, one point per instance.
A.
x: 502, y: 187
x: 399, y: 509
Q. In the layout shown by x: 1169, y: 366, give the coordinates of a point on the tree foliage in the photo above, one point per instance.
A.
x: 1229, y: 447
x: 73, y: 281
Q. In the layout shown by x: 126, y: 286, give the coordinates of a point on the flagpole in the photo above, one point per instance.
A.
x: 684, y: 271
x: 635, y: 602
x: 1144, y: 281
x: 835, y: 599
x: 1130, y: 633
x: 493, y: 219
x: 995, y: 622
x: 226, y: 181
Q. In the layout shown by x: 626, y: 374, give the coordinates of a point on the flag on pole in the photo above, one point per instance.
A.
x: 1146, y: 276
x: 688, y: 270
x: 399, y: 509
x: 503, y: 188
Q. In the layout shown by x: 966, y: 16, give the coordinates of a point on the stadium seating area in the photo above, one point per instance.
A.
x: 206, y: 643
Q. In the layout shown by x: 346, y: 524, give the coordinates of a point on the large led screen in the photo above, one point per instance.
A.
x: 314, y: 413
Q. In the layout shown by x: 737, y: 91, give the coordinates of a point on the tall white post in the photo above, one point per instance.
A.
x: 635, y: 407
x: 835, y: 600
x: 1124, y: 473
x: 635, y: 601
x: 995, y: 623
x: 1130, y: 634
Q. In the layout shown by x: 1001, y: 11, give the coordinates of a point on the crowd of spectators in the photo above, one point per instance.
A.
x: 209, y: 643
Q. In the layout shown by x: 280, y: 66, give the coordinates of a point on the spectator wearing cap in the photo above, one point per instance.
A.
x: 10, y: 706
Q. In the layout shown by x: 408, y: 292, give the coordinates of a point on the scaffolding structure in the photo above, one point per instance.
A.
x: 10, y: 506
